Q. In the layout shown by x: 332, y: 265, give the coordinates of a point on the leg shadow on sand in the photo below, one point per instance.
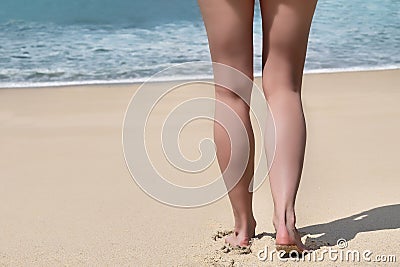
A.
x: 327, y: 234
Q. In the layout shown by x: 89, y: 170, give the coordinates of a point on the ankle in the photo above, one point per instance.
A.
x: 246, y: 227
x: 284, y: 219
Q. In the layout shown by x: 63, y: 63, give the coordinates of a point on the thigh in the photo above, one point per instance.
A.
x: 286, y: 27
x: 229, y: 26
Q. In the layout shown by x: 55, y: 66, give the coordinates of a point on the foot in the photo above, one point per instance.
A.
x: 242, y: 235
x: 287, y: 234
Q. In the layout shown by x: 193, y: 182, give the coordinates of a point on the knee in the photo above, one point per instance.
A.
x: 282, y: 72
x: 281, y: 82
x: 237, y: 89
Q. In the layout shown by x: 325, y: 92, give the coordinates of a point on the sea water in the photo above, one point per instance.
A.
x: 50, y: 42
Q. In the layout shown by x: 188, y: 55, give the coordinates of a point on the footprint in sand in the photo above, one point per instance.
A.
x: 221, y: 234
x: 226, y: 248
x: 238, y: 249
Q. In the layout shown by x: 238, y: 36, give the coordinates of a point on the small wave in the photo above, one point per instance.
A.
x: 39, y: 74
x: 102, y: 50
x: 352, y: 69
x: 21, y: 56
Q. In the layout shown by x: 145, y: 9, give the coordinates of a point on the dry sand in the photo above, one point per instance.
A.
x: 67, y: 198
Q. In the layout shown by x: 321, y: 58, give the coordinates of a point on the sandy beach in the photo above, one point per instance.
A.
x: 67, y: 197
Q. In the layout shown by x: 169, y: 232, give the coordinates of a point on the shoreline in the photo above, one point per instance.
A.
x: 124, y: 82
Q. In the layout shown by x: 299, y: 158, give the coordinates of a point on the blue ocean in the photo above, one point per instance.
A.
x: 54, y: 42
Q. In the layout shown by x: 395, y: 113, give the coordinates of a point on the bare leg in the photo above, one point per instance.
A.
x: 286, y: 25
x: 229, y: 25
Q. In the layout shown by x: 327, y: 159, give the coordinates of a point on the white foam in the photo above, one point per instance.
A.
x: 175, y: 78
x: 353, y: 69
